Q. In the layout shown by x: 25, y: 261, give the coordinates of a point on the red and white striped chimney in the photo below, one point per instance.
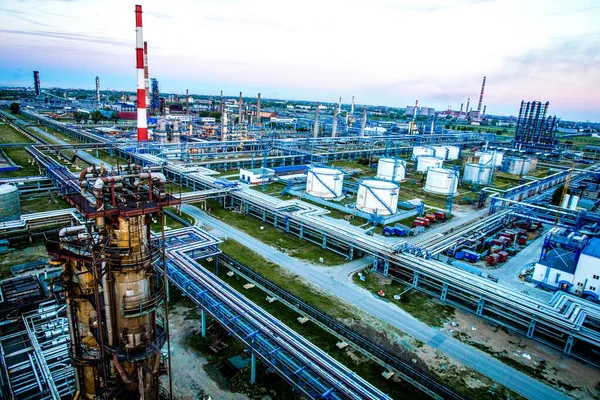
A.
x: 146, y: 82
x: 142, y: 126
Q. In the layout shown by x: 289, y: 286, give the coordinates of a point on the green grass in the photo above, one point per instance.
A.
x: 17, y: 154
x: 326, y: 341
x: 24, y: 252
x: 285, y: 242
x: 42, y: 201
x: 415, y: 303
x: 285, y: 279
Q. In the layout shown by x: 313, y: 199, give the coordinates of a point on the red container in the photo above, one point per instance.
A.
x: 416, y: 222
x: 430, y: 217
x: 425, y: 221
x: 498, y: 242
x: 522, y: 240
x: 492, y: 259
x: 503, y: 256
x: 440, y: 215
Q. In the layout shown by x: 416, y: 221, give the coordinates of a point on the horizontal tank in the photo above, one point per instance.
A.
x: 453, y: 152
x: 391, y: 169
x: 441, y: 181
x: 377, y: 197
x: 423, y: 163
x: 422, y: 151
x: 440, y: 152
x: 10, y: 204
x: 477, y: 174
x: 324, y: 182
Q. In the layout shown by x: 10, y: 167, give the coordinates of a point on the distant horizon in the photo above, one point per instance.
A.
x: 298, y: 100
x: 382, y: 51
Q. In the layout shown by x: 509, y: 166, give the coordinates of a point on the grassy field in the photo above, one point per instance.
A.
x: 42, y: 201
x: 457, y: 379
x: 17, y: 154
x: 285, y: 242
x: 415, y: 303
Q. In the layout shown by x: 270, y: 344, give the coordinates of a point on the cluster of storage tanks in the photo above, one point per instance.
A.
x: 569, y: 202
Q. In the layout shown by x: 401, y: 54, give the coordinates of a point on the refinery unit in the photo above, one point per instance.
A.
x: 504, y: 231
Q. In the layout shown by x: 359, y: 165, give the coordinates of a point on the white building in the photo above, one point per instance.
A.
x: 580, y: 276
x: 254, y: 176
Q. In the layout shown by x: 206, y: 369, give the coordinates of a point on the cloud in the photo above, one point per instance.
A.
x: 77, y: 37
x: 158, y: 15
x: 237, y: 21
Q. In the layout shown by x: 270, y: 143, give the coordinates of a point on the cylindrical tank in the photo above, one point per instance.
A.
x: 422, y: 151
x: 391, y: 169
x: 324, y: 182
x: 453, y: 152
x: 533, y: 165
x: 440, y: 152
x: 477, y: 173
x: 377, y: 197
x: 10, y: 205
x: 565, y: 201
x: 441, y: 181
x: 498, y: 157
x: 484, y: 157
x: 574, y: 202
x: 516, y: 165
x: 424, y: 162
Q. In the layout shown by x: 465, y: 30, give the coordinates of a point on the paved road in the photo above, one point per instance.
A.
x: 342, y: 288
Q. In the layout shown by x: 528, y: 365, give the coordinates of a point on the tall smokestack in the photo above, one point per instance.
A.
x: 142, y: 123
x: 240, y: 109
x: 187, y: 101
x: 335, y: 118
x: 316, y: 126
x: 483, y: 115
x: 461, y: 108
x: 481, y: 98
x: 36, y: 82
x: 221, y: 103
x: 97, y: 89
x: 340, y: 104
x: 352, y: 107
x: 364, y: 122
x: 258, y: 122
x: 467, y: 109
x: 146, y: 79
x: 415, y: 110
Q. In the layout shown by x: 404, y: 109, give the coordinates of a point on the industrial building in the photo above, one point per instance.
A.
x: 535, y: 130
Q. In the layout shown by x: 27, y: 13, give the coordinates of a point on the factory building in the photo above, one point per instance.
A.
x: 570, y: 263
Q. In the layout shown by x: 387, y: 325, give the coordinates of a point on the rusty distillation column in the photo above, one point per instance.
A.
x: 111, y: 289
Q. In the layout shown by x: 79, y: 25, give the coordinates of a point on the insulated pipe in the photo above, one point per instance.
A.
x: 142, y: 123
x: 107, y: 306
x: 119, y: 367
x: 70, y: 231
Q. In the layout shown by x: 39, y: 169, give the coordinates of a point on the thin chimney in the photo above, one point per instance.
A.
x: 316, y: 127
x: 142, y: 123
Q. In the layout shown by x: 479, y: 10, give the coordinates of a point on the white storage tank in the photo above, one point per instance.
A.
x: 324, y: 182
x: 453, y: 152
x: 423, y: 163
x: 377, y: 197
x: 441, y: 181
x: 498, y: 158
x: 565, y: 201
x: 422, y: 151
x: 478, y: 174
x: 391, y: 169
x: 440, y: 152
x: 516, y: 165
x: 10, y: 204
x: 484, y: 157
x: 574, y: 202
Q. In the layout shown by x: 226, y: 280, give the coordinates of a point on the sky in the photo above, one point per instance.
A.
x: 383, y: 52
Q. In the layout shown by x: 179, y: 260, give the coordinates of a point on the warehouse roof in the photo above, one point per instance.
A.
x: 592, y: 249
